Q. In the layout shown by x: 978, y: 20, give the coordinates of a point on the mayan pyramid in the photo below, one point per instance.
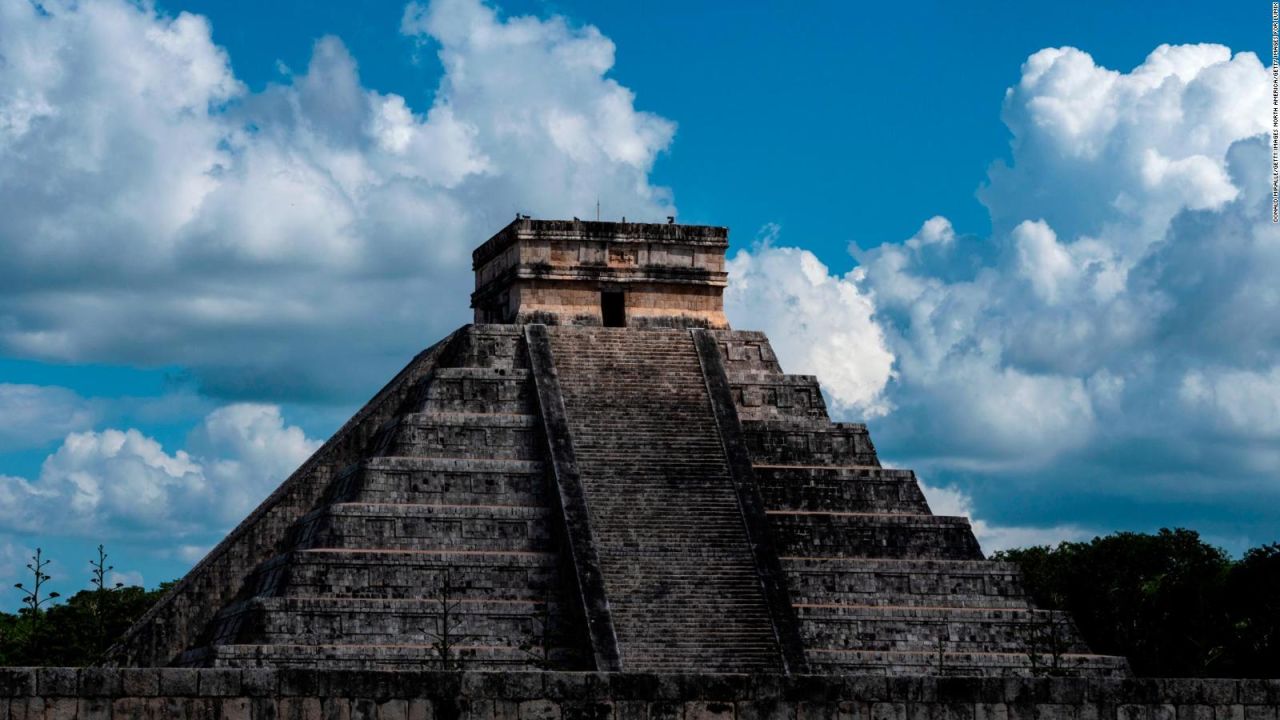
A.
x: 600, y: 474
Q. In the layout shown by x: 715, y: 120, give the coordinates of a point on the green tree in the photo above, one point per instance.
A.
x: 77, y: 632
x: 1162, y: 599
x: 1253, y: 600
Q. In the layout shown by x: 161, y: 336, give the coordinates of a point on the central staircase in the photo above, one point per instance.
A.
x: 678, y: 569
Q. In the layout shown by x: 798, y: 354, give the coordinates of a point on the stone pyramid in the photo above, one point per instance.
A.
x: 600, y: 474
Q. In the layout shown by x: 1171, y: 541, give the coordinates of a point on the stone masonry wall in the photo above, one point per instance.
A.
x: 260, y: 694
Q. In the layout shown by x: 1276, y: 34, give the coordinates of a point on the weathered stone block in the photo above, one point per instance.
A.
x: 891, y: 711
x: 338, y: 708
x: 395, y: 709
x: 169, y: 708
x: 135, y: 708
x: 666, y: 710
x: 1228, y: 712
x: 97, y: 682
x: 140, y: 682
x: 179, y: 681
x: 1055, y: 711
x: 1027, y: 711
x: 1260, y: 712
x: 708, y: 710
x: 203, y: 708
x: 61, y: 708
x: 1195, y: 712
x: 832, y: 710
x: 419, y: 709
x: 56, y: 681
x: 264, y: 708
x: 853, y: 710
x: 364, y: 709
x: 630, y: 710
x: 990, y: 711
x: 539, y: 710
x: 17, y: 682
x: 300, y: 683
x: 234, y: 708
x: 513, y: 685
x: 259, y: 682
x: 219, y: 682
x: 766, y: 709
x: 93, y: 708
x: 586, y: 710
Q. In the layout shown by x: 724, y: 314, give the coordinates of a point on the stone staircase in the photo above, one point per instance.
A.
x: 880, y: 584
x: 449, y: 511
x: 681, y: 581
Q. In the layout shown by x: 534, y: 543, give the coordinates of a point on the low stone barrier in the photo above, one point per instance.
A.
x: 263, y: 694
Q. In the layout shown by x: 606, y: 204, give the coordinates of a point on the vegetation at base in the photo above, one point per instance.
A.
x: 1173, y: 604
x: 77, y: 632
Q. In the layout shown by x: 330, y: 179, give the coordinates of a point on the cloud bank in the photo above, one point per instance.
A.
x: 1111, y: 350
x: 121, y: 484
x: 288, y: 243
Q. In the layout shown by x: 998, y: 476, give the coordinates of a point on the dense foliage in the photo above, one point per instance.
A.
x: 76, y: 632
x: 1171, y: 603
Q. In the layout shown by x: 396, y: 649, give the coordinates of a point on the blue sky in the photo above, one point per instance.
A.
x: 1025, y: 242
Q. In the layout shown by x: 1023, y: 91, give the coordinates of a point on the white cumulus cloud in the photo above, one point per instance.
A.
x: 300, y: 241
x: 123, y: 484
x: 31, y: 415
x: 1115, y: 343
x: 817, y: 324
x: 1111, y: 349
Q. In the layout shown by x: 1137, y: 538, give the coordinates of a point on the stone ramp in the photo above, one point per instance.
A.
x: 682, y: 584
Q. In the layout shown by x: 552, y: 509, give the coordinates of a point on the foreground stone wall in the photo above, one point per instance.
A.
x: 261, y: 694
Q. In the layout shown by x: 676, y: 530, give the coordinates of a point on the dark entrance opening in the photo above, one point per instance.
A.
x: 613, y: 309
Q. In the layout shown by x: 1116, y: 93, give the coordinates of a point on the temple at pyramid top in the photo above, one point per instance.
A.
x: 615, y: 274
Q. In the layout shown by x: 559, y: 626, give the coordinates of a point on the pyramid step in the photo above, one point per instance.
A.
x: 813, y: 533
x: 746, y: 352
x: 491, y: 346
x: 369, y: 621
x: 862, y: 581
x: 840, y: 489
x: 774, y: 396
x: 977, y: 664
x: 443, y: 481
x: 921, y: 629
x: 400, y: 656
x: 427, y: 527
x: 466, y: 435
x: 407, y: 574
x: 808, y: 442
x: 479, y: 390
